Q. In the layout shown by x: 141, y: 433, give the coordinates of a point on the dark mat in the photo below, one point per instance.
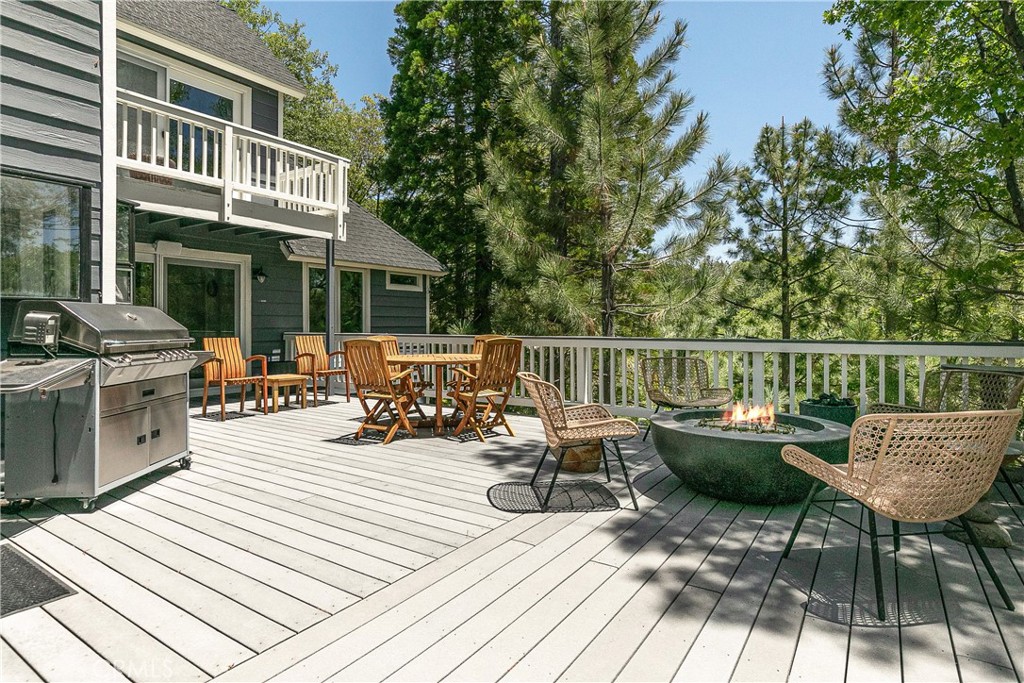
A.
x: 215, y: 417
x: 582, y: 496
x: 369, y: 438
x: 25, y: 583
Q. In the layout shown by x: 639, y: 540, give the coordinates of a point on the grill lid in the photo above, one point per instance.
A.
x: 105, y: 328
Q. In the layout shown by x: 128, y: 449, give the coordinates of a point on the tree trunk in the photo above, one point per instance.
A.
x: 608, y: 295
x: 558, y: 159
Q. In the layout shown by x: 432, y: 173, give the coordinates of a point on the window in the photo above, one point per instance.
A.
x: 41, y: 238
x: 125, y: 253
x: 405, y: 281
x: 140, y: 77
x: 202, y: 101
x: 350, y: 299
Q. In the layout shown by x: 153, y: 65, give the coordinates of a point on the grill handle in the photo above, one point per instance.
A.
x: 145, y: 342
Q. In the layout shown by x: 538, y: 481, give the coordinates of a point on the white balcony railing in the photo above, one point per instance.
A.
x: 605, y: 370
x: 166, y: 142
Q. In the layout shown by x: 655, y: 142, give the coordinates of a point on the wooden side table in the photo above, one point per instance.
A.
x: 285, y: 382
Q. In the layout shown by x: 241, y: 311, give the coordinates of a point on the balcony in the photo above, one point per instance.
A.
x: 177, y: 161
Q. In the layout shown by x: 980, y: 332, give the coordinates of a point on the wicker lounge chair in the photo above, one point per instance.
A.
x: 312, y: 359
x: 483, y: 395
x: 918, y: 468
x: 674, y: 382
x: 228, y: 368
x: 575, y: 426
x: 380, y: 389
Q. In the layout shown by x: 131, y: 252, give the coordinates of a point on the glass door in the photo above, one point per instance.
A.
x: 204, y: 297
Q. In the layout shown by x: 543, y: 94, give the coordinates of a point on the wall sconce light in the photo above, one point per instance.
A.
x: 258, y: 275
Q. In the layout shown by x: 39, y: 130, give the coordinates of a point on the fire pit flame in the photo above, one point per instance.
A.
x: 760, y: 419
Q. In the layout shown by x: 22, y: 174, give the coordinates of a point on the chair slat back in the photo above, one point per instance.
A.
x: 367, y: 364
x: 390, y: 344
x: 929, y: 466
x: 313, y: 344
x: 481, y: 339
x: 548, y: 401
x: 228, y: 349
x: 499, y: 362
x: 674, y: 379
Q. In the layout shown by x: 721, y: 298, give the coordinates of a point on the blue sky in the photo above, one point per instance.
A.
x: 747, y: 64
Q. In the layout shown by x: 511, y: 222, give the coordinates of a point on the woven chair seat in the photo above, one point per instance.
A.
x: 589, y: 411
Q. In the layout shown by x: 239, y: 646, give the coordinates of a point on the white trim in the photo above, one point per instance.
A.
x: 162, y: 253
x: 356, y: 265
x: 207, y: 58
x: 191, y: 75
x: 388, y: 284
x: 108, y: 166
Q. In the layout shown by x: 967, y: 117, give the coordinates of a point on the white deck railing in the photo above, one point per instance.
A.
x: 166, y: 142
x: 605, y: 370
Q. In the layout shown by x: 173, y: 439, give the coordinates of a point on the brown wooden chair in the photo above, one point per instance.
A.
x: 919, y: 468
x: 228, y: 368
x: 380, y: 389
x: 674, y: 382
x: 419, y: 384
x: 482, y: 396
x: 312, y: 359
x: 580, y: 425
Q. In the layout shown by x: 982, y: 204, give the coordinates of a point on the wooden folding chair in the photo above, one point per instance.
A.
x: 379, y: 388
x: 312, y: 359
x: 228, y: 368
x: 487, y: 392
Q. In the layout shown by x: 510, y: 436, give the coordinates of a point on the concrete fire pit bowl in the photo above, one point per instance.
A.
x: 744, y: 467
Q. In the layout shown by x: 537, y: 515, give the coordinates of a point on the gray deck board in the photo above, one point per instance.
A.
x: 286, y: 555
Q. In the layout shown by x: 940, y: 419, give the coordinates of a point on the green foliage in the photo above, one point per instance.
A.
x: 830, y: 400
x: 321, y: 119
x: 574, y: 203
x: 789, y: 249
x: 443, y: 105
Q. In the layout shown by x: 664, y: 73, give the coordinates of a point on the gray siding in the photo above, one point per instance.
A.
x: 50, y: 109
x: 264, y: 100
x: 395, y: 311
x: 276, y: 304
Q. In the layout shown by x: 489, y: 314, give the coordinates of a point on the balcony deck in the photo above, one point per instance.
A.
x: 282, y: 554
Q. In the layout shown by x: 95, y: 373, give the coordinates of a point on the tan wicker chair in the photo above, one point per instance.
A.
x: 377, y: 383
x: 971, y: 387
x: 919, y: 468
x: 228, y: 368
x: 565, y: 427
x: 313, y: 360
x: 674, y: 382
x: 482, y: 397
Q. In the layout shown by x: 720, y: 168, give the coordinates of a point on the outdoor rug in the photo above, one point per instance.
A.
x: 582, y: 496
x: 215, y: 416
x: 25, y: 583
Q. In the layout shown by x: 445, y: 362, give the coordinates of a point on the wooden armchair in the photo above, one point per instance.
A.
x: 380, y: 389
x: 419, y: 384
x: 312, y: 359
x: 483, y: 395
x: 675, y: 382
x: 575, y: 426
x: 228, y: 368
x: 919, y: 468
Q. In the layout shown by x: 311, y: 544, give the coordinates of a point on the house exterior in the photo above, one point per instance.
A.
x: 142, y: 162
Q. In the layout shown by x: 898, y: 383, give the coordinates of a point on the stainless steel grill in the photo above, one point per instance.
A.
x: 107, y: 403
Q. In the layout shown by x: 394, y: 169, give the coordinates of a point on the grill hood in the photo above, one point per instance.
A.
x: 105, y: 328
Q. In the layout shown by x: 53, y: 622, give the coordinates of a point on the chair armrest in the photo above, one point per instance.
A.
x: 335, y: 354
x: 831, y: 475
x: 894, y: 408
x: 588, y: 430
x: 587, y: 411
x: 263, y: 362
x: 461, y: 371
x: 300, y: 364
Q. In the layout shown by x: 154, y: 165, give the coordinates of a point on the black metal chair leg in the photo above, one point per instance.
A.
x: 539, y: 465
x: 629, y: 484
x: 988, y: 565
x: 800, y: 519
x: 1009, y: 482
x: 649, y: 423
x: 876, y: 565
x: 896, y: 535
x: 551, y: 488
x: 604, y: 456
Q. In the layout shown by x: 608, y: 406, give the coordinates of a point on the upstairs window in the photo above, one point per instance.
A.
x: 42, y: 231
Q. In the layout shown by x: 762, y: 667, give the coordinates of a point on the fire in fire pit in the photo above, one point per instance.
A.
x: 760, y: 419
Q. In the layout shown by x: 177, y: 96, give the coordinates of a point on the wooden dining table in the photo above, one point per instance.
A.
x: 439, y: 361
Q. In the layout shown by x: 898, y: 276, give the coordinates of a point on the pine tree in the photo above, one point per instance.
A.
x: 575, y: 203
x: 443, y: 105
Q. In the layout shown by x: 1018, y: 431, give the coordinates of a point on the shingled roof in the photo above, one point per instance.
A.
x: 207, y: 26
x: 370, y: 242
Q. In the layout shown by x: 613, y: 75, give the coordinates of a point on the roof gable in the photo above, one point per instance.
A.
x: 208, y: 27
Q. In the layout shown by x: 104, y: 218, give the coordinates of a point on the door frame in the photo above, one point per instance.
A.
x: 163, y: 253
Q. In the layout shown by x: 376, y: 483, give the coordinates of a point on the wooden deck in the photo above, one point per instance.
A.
x: 285, y: 555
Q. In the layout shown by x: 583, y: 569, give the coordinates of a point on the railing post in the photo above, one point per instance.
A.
x: 341, y: 197
x: 757, y: 377
x: 582, y: 374
x: 229, y: 173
